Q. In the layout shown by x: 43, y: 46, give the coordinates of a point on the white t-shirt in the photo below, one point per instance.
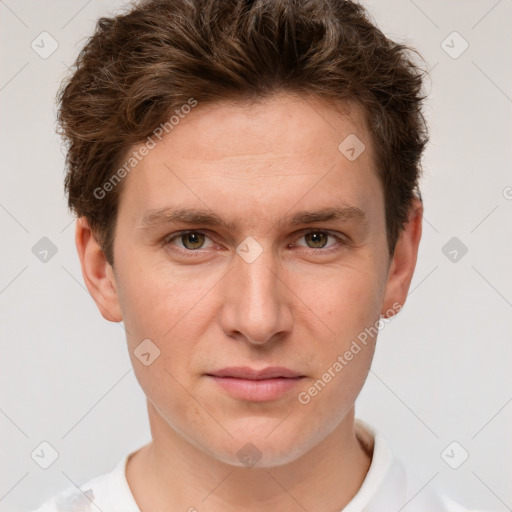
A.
x: 384, y: 489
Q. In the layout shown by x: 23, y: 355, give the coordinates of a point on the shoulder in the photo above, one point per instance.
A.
x: 387, y: 486
x: 71, y: 500
x: 434, y: 500
x: 107, y: 492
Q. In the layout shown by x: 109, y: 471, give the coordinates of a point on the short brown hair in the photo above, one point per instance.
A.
x: 139, y: 66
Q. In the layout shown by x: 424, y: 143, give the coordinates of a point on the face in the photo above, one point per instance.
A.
x: 246, y: 238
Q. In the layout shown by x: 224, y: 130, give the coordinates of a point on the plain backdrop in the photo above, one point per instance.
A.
x: 442, y: 370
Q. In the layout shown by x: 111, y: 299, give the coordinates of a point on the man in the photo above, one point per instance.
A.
x: 244, y: 177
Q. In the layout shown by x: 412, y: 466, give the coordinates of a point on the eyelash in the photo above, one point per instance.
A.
x: 340, y: 241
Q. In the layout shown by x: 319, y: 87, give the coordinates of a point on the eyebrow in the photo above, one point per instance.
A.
x: 192, y: 216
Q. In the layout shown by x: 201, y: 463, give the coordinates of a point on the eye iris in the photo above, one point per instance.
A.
x: 318, y: 239
x: 192, y: 240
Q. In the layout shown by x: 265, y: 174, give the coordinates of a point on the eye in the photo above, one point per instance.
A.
x: 190, y: 240
x: 193, y: 241
x: 319, y: 239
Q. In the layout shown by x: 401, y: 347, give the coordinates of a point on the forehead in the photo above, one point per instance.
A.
x: 236, y: 154
x: 281, y: 125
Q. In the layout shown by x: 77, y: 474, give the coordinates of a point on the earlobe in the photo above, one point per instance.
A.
x: 403, y: 262
x: 97, y: 273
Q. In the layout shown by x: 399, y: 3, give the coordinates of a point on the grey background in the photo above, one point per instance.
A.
x: 442, y: 368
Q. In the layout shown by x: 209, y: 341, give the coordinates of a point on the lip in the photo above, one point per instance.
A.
x: 245, y: 372
x: 263, y: 385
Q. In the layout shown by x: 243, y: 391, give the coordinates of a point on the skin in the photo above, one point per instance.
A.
x: 300, y: 304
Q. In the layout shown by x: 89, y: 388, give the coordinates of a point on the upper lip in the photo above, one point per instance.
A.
x: 245, y: 372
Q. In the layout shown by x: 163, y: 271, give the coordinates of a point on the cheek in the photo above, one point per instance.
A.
x: 156, y: 302
x: 342, y: 324
x: 348, y: 304
x: 171, y: 310
x: 341, y: 370
x: 346, y: 299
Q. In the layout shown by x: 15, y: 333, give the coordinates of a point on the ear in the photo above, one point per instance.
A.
x: 403, y: 262
x: 97, y: 272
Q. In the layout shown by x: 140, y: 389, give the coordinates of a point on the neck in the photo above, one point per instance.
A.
x: 171, y: 474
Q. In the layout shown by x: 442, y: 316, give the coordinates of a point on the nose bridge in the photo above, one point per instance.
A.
x: 258, y: 284
x: 255, y: 306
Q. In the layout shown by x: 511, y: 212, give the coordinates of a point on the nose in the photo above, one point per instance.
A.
x: 257, y: 307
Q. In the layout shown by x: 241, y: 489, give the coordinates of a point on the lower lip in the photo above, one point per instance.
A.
x: 257, y: 390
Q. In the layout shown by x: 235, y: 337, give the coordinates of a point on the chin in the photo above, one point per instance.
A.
x: 266, y: 447
x: 264, y: 454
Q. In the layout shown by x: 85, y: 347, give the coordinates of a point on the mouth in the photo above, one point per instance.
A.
x: 253, y: 385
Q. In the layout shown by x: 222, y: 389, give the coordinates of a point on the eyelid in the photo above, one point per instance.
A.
x: 341, y: 239
x: 172, y: 236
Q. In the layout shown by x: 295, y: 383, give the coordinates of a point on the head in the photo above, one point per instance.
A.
x: 244, y: 175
